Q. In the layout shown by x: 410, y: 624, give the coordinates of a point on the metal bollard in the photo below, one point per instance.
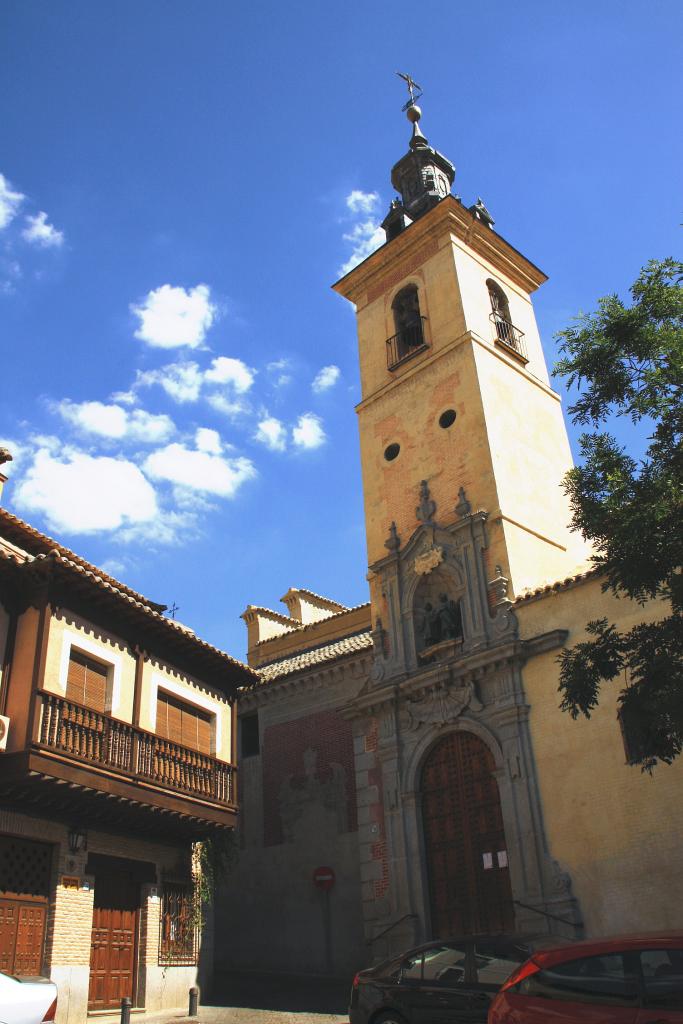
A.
x: 194, y: 1001
x: 125, y: 1010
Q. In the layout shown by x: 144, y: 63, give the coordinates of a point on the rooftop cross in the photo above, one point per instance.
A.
x: 412, y: 85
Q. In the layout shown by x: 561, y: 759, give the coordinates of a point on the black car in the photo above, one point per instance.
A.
x: 443, y: 982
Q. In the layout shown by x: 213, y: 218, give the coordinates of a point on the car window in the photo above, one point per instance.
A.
x: 662, y: 978
x: 602, y: 980
x: 495, y: 962
x: 445, y: 965
x: 409, y: 969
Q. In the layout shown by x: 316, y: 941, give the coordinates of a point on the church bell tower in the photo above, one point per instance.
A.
x: 457, y: 416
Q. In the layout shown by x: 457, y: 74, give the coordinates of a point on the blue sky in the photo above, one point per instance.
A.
x: 182, y: 182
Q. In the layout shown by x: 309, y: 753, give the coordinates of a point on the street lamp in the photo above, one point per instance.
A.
x: 78, y: 839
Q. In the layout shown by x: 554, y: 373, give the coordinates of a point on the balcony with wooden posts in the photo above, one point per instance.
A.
x: 94, y: 766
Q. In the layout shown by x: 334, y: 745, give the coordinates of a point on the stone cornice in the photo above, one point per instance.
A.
x: 371, y: 277
x: 354, y: 666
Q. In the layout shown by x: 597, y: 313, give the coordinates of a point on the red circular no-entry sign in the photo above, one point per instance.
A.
x: 324, y: 878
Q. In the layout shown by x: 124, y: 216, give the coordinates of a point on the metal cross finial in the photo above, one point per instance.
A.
x: 173, y: 609
x: 412, y: 85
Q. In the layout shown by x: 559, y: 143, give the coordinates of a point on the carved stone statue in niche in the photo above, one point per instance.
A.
x: 437, y: 615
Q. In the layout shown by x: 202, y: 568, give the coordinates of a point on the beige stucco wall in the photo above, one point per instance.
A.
x: 159, y: 675
x: 617, y: 830
x: 68, y: 631
x: 508, y: 447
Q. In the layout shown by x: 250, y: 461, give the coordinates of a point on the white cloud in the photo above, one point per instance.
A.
x: 362, y: 202
x: 208, y: 441
x: 272, y: 433
x: 182, y: 381
x: 41, y: 232
x: 124, y: 397
x: 78, y: 493
x: 95, y: 417
x: 151, y: 427
x: 308, y: 432
x: 171, y: 317
x: 113, y: 567
x: 113, y: 421
x: 9, y: 202
x: 225, y: 370
x: 325, y: 378
x: 278, y: 371
x: 199, y: 470
x: 228, y: 406
x: 169, y: 527
x: 366, y: 237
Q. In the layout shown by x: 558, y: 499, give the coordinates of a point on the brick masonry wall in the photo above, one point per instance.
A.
x: 70, y: 910
x: 372, y: 837
x: 325, y: 734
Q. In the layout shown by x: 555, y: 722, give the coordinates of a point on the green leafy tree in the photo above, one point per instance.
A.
x: 627, y: 360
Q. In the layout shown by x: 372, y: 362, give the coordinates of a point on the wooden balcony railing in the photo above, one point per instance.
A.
x: 90, y: 736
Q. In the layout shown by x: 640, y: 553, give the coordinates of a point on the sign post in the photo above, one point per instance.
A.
x: 324, y: 879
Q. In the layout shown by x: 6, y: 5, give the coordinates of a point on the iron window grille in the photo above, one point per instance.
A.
x: 177, y: 926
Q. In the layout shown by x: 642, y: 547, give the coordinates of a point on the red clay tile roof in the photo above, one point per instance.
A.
x: 553, y: 588
x: 23, y: 535
x: 27, y: 537
x: 309, y: 659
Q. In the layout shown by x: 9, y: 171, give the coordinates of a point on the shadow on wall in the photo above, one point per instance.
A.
x: 302, y: 994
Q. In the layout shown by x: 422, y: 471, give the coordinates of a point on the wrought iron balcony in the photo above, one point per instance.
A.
x: 509, y: 337
x: 407, y: 343
x: 81, y: 734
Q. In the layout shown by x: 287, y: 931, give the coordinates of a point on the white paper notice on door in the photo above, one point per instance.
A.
x: 502, y: 858
x: 488, y: 860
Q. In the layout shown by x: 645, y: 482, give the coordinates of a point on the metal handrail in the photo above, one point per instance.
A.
x: 553, y: 917
x: 407, y: 342
x: 509, y: 336
x: 390, y: 928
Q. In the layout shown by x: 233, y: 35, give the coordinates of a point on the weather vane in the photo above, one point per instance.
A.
x: 412, y: 85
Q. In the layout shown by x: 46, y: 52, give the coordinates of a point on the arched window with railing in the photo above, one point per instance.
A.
x: 506, y: 333
x: 408, y: 325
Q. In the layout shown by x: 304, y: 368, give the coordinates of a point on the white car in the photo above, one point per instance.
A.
x: 27, y: 1000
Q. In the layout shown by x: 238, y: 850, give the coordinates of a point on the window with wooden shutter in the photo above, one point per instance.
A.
x: 183, y: 723
x: 86, y: 682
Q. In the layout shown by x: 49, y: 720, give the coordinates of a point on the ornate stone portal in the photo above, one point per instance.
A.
x: 447, y: 657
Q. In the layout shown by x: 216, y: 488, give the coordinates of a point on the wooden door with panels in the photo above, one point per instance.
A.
x: 466, y: 853
x: 24, y: 886
x: 113, y: 946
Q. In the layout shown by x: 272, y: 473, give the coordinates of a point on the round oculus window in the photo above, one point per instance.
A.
x: 447, y: 418
x: 391, y: 452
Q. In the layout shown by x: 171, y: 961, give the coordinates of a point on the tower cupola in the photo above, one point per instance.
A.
x: 422, y: 177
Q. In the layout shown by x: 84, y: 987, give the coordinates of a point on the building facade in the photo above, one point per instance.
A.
x: 118, y: 756
x: 472, y: 804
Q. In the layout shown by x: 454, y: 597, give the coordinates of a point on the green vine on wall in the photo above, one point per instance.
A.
x: 212, y: 861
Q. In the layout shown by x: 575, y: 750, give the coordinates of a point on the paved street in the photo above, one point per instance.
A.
x: 259, y: 999
x: 247, y: 1015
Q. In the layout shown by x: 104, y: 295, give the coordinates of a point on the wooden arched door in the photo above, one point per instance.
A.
x: 467, y: 861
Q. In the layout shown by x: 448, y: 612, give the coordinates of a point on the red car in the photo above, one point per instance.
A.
x: 631, y: 979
